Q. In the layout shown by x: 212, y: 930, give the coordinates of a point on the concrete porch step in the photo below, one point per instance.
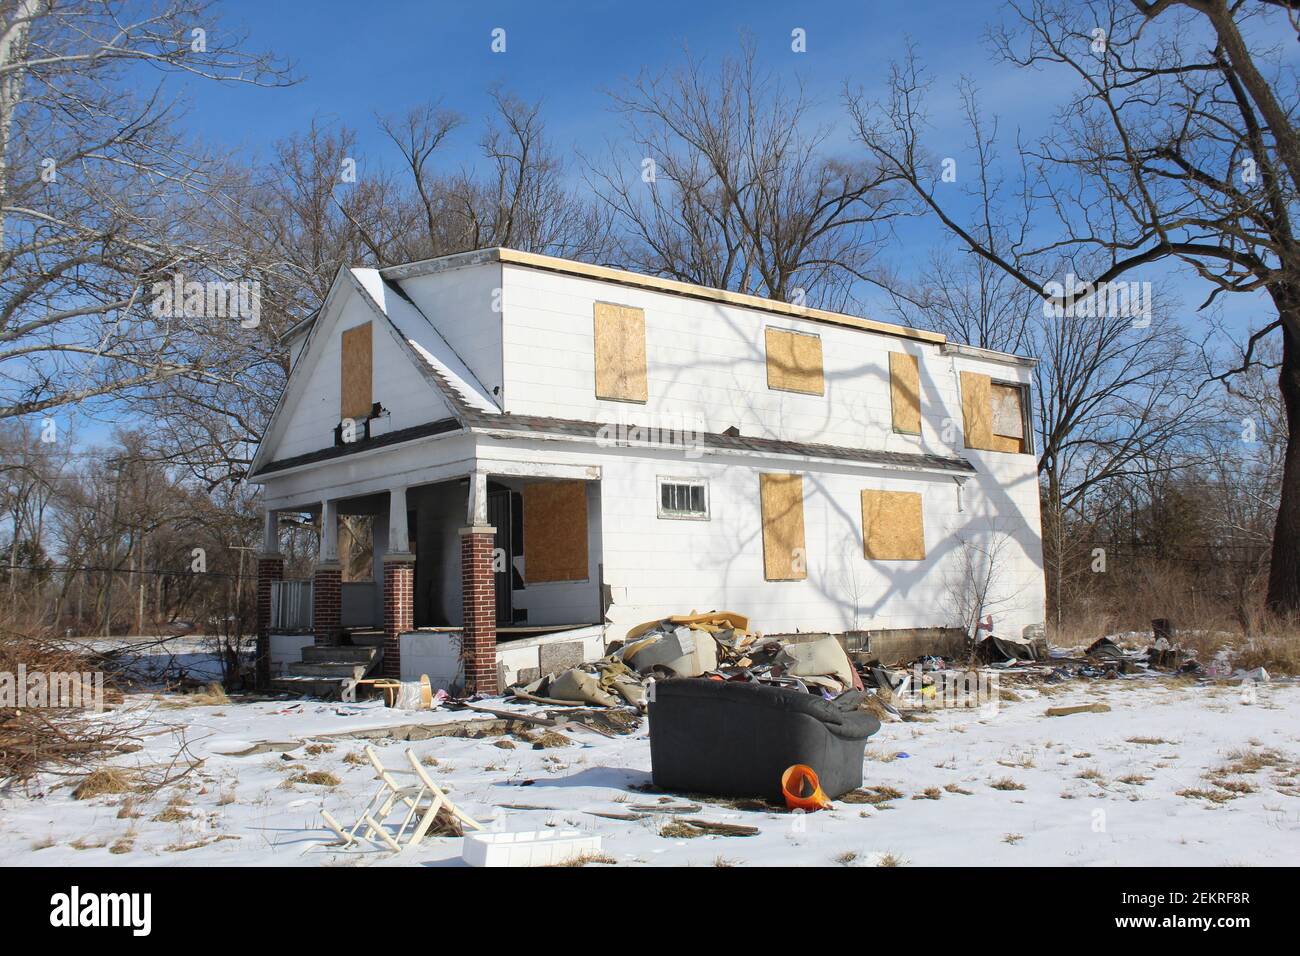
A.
x: 368, y: 639
x: 364, y: 654
x: 340, y: 670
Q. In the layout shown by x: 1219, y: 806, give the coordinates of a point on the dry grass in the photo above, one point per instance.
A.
x: 1134, y: 779
x: 675, y: 830
x: 953, y: 788
x: 847, y: 858
x: 890, y: 860
x: 1148, y: 741
x: 355, y: 759
x: 317, y: 778
x: 123, y: 845
x: 104, y: 780
x: 174, y: 812
x: 1214, y: 796
x: 587, y: 859
x: 199, y: 844
x: 1252, y: 761
x: 1113, y: 603
x: 1006, y: 783
x: 875, y: 796
x: 548, y: 739
x: 1012, y: 838
x: 929, y: 793
x: 213, y: 695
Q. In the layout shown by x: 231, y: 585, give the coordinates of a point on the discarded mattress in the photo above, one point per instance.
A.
x: 818, y: 659
x: 736, y: 739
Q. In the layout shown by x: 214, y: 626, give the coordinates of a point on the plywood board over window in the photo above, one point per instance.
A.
x: 357, y: 380
x: 977, y: 410
x: 994, y: 414
x: 784, y: 557
x: 892, y: 526
x: 1008, y: 417
x: 620, y: 353
x: 794, y: 361
x: 555, y: 531
x: 905, y: 392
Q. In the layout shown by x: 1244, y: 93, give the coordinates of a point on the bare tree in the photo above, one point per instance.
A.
x: 1179, y: 145
x: 728, y: 183
x: 98, y: 193
x: 979, y: 582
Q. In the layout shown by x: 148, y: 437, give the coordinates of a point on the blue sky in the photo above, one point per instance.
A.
x: 389, y: 55
x: 359, y: 59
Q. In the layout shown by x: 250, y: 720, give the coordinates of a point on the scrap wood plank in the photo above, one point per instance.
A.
x: 1078, y: 709
x: 721, y: 829
x: 667, y: 808
x: 543, y: 721
x: 623, y: 817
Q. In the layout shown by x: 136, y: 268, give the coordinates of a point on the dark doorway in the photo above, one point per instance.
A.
x: 498, y: 514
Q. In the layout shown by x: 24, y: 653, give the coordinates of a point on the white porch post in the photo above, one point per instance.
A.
x: 329, y: 532
x: 476, y: 511
x: 399, y: 540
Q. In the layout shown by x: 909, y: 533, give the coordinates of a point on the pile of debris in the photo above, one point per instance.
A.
x: 718, y: 645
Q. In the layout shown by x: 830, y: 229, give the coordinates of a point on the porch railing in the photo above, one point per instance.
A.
x: 291, y: 606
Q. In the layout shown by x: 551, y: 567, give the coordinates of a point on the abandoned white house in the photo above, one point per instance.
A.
x: 549, y: 447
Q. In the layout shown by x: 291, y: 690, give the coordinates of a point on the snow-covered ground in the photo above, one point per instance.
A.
x: 1013, y: 787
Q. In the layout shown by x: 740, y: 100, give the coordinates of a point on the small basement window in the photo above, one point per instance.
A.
x: 683, y: 498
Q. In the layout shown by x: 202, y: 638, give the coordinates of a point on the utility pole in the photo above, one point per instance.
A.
x: 112, y: 553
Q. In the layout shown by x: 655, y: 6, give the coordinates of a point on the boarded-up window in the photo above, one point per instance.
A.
x: 357, y: 362
x: 555, y: 531
x: 784, y: 558
x: 977, y: 410
x: 794, y: 362
x: 892, y: 527
x: 1008, y: 417
x: 620, y: 353
x: 994, y: 414
x: 905, y: 392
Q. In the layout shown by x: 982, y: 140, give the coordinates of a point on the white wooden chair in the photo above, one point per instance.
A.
x: 422, y: 798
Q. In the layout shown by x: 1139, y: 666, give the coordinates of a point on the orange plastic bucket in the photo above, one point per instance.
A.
x: 793, y: 784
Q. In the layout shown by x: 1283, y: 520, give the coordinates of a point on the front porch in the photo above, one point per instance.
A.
x: 474, y: 580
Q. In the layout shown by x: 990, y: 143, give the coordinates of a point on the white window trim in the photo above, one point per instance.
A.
x: 678, y: 515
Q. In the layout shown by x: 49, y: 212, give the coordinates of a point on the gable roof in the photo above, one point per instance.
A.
x: 426, y: 345
x: 464, y: 395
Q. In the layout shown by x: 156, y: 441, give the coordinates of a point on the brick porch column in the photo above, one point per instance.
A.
x: 270, y: 568
x: 399, y: 608
x: 327, y: 581
x: 327, y: 602
x: 479, y: 608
